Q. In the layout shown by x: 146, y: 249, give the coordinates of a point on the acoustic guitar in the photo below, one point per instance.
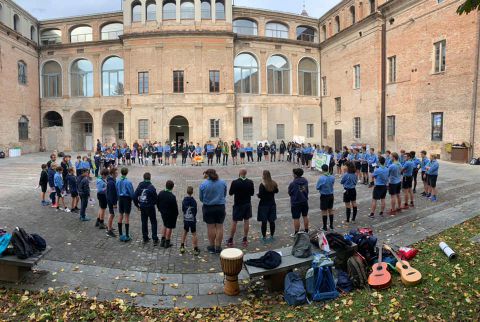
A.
x: 409, y: 275
x: 380, y: 277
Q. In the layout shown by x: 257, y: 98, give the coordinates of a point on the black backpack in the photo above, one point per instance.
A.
x: 357, y: 271
x: 38, y: 242
x: 337, y: 242
x: 21, y: 242
x: 366, y: 246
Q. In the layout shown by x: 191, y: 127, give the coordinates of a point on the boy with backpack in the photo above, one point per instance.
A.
x: 145, y: 200
x: 102, y: 198
x: 325, y: 187
x: 298, y: 192
x: 71, y: 183
x: 43, y: 183
x: 125, y: 196
x: 84, y: 193
x: 167, y: 205
x: 112, y: 200
x: 58, y: 181
x: 189, y: 209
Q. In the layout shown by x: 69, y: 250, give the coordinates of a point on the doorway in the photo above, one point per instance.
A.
x: 179, y: 129
x: 338, y: 140
x: 82, y: 131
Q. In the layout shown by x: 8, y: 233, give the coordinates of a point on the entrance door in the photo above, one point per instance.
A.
x: 88, y: 136
x: 180, y: 138
x: 338, y: 140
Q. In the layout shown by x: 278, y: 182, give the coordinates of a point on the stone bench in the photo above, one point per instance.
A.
x: 274, y: 278
x: 12, y: 269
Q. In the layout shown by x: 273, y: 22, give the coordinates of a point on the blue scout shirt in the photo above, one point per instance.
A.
x: 325, y: 184
x: 381, y: 176
x: 349, y: 181
x: 408, y: 167
x: 394, y: 173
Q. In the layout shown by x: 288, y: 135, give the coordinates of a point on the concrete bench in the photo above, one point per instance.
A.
x: 274, y: 278
x: 12, y: 269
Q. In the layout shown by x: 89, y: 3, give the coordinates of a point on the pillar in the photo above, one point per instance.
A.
x: 159, y: 12
x: 127, y: 124
x: 295, y: 128
x: 231, y: 120
x: 264, y: 122
x: 127, y: 13
x: 65, y: 77
x: 67, y: 129
x: 199, y: 134
x: 198, y: 12
x: 97, y: 125
x: 97, y: 76
x: 228, y: 11
x: 214, y: 12
x: 178, y: 10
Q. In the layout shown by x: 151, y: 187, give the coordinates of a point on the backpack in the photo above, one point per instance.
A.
x: 324, y: 285
x: 344, y: 283
x: 366, y: 246
x: 38, y: 242
x: 337, y: 242
x: 301, y: 246
x: 4, y: 242
x: 357, y: 271
x: 21, y: 242
x: 294, y: 293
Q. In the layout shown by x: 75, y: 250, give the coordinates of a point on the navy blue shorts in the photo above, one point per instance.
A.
x: 300, y: 210
x: 125, y: 205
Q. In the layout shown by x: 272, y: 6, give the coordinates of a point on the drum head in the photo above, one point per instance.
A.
x: 231, y: 253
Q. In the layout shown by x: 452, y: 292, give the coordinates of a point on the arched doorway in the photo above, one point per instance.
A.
x: 82, y: 131
x: 179, y: 130
x: 52, y: 131
x: 113, y: 128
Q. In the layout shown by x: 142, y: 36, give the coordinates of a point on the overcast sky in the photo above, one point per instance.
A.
x: 47, y: 9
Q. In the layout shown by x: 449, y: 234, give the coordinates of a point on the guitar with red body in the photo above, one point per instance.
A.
x: 380, y: 277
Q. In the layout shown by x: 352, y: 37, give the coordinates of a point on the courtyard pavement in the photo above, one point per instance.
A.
x: 85, y: 260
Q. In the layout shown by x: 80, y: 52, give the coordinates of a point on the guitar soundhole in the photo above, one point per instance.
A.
x: 405, y: 266
x: 411, y: 273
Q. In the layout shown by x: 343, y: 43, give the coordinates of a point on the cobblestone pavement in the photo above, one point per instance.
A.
x: 83, y: 257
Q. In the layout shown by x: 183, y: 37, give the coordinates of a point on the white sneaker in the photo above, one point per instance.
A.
x: 67, y: 210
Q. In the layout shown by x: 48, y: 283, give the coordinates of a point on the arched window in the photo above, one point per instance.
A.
x: 245, y: 27
x: 22, y: 72
x: 23, y: 128
x: 352, y: 14
x: 305, y: 33
x: 112, y: 31
x: 136, y: 11
x: 51, y: 80
x: 151, y: 11
x: 169, y: 9
x: 324, y: 32
x: 33, y: 33
x: 246, y: 74
x: 337, y: 24
x: 112, y: 77
x: 278, y: 75
x: 81, y: 34
x: 206, y: 9
x: 372, y: 6
x: 51, y: 37
x: 219, y: 10
x: 308, y: 77
x: 16, y: 22
x: 187, y: 9
x: 81, y: 78
x: 276, y: 30
x: 51, y: 119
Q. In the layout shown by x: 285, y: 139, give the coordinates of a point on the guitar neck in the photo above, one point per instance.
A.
x: 393, y: 253
x: 380, y: 254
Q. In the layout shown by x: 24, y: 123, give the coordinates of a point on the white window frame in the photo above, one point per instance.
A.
x: 214, y: 128
x: 356, y: 76
x: 440, y: 56
x: 143, y: 129
x: 281, y: 130
x: 310, y: 130
x: 392, y: 69
x: 357, y: 128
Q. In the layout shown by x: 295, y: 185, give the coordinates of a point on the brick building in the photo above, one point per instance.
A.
x: 395, y: 74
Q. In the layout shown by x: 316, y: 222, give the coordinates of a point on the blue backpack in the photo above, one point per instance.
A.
x: 325, y: 285
x: 4, y: 242
x: 295, y: 293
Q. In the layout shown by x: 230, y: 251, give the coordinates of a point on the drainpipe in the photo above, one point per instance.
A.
x: 384, y: 87
x: 40, y: 148
x: 475, y: 92
x: 321, y: 96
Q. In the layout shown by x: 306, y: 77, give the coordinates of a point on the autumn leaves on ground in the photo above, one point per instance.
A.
x: 450, y: 291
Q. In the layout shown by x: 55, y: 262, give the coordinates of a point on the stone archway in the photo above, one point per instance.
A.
x: 52, y: 131
x: 113, y: 127
x: 179, y: 129
x: 82, y: 131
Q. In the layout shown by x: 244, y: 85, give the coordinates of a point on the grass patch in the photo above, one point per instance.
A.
x: 450, y: 291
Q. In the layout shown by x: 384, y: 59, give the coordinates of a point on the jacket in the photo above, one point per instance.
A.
x: 112, y: 196
x: 58, y: 180
x: 298, y: 191
x: 43, y: 178
x: 125, y: 188
x: 167, y: 204
x: 145, y: 195
x: 83, y: 186
x: 71, y: 183
x: 189, y: 209
x: 51, y: 176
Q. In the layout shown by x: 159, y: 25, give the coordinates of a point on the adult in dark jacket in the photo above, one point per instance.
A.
x: 267, y: 208
x: 298, y: 192
x: 112, y: 200
x: 168, y: 207
x: 146, y: 200
x: 243, y: 190
x: 84, y: 193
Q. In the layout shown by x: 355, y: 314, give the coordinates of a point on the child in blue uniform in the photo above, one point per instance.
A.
x: 380, y: 181
x: 325, y: 187
x: 349, y: 182
x: 432, y: 173
x: 407, y: 181
x: 395, y: 185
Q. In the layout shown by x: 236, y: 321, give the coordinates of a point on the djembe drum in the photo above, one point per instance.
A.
x: 232, y: 262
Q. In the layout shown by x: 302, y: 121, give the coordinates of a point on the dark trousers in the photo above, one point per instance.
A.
x: 249, y: 156
x: 53, y: 197
x: 225, y: 159
x: 146, y: 214
x: 83, y: 205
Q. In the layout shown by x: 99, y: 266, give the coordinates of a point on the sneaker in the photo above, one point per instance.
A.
x: 43, y: 203
x: 196, y: 252
x: 54, y: 205
x: 102, y: 226
x: 423, y: 194
x: 324, y: 229
x: 433, y: 199
x: 293, y: 235
x: 110, y: 233
x: 67, y: 210
x: 168, y: 244
x: 97, y: 224
x: 271, y: 239
x: 73, y: 210
x: 372, y: 215
x: 230, y: 243
x: 156, y: 242
x: 405, y: 207
x: 392, y: 212
x: 331, y: 227
x: 122, y: 238
x: 264, y: 240
x: 211, y: 249
x: 182, y: 249
x: 127, y: 239
x: 146, y: 240
x: 85, y: 218
x: 162, y: 243
x: 245, y: 242
x: 381, y: 213
x: 218, y: 250
x: 412, y: 205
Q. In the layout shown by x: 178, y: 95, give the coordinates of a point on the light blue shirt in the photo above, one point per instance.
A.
x: 381, y: 176
x: 408, y: 167
x: 434, y: 165
x: 349, y: 180
x: 394, y: 173
x: 325, y: 184
x: 213, y: 192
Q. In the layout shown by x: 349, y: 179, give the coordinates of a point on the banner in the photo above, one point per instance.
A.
x: 319, y: 159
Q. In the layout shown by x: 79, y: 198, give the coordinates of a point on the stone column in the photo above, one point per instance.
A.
x: 159, y: 13
x: 264, y: 122
x: 214, y: 12
x: 198, y: 12
x: 263, y: 72
x: 127, y: 71
x: 295, y: 128
x: 97, y: 125
x: 127, y: 13
x: 293, y: 74
x: 231, y: 119
x: 228, y: 11
x: 178, y: 10
x: 199, y: 136
x: 67, y: 129
x: 97, y: 76
x: 144, y: 12
x: 65, y: 77
x: 127, y: 124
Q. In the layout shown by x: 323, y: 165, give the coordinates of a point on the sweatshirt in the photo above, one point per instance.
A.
x: 189, y: 209
x: 349, y: 181
x: 51, y: 177
x: 167, y: 204
x: 145, y: 195
x: 83, y: 186
x: 243, y: 189
x: 298, y: 191
x: 43, y: 178
x: 71, y: 182
x: 112, y: 196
